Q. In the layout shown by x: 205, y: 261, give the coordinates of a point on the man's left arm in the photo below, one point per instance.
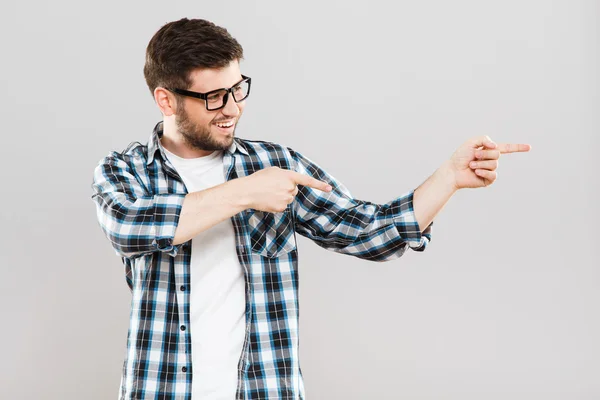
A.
x: 381, y: 232
x: 339, y: 222
x: 433, y: 194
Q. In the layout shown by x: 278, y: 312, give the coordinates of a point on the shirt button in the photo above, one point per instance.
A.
x: 182, y: 288
x: 184, y: 369
x: 183, y: 327
x: 243, y: 250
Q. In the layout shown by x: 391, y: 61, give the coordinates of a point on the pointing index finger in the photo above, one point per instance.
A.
x: 513, y: 147
x: 306, y: 180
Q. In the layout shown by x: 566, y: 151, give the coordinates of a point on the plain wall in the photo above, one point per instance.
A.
x: 504, y: 303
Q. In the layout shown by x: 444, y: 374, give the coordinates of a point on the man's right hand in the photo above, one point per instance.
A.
x: 272, y: 189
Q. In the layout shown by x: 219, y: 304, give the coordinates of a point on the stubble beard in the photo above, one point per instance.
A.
x: 200, y: 137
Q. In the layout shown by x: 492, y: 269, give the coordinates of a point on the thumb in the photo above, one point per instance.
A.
x: 482, y: 141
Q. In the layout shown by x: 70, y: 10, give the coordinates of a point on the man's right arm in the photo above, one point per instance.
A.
x: 138, y: 223
x: 206, y: 208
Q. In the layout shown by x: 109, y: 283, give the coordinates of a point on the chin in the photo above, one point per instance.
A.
x: 227, y: 141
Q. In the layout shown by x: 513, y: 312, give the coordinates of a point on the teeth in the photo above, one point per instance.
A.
x: 225, y: 125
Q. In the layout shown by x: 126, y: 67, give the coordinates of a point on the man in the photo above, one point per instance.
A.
x: 205, y: 223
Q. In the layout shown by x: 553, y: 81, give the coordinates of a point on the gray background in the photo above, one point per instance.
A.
x: 504, y: 304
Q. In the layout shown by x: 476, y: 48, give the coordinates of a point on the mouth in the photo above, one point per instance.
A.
x: 225, y: 126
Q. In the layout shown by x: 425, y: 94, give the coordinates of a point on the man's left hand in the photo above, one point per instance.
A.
x: 474, y: 164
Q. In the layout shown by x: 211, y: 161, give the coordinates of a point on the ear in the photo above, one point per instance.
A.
x: 165, y: 101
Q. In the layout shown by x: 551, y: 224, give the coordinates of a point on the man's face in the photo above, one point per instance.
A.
x: 202, y: 129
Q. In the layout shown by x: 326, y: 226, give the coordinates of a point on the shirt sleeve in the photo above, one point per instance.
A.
x: 135, y: 222
x: 337, y: 221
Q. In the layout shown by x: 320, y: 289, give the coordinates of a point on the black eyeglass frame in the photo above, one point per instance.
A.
x: 204, y: 96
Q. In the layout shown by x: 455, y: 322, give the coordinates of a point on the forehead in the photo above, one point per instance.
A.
x: 207, y: 79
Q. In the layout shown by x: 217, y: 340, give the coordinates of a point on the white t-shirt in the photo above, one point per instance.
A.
x: 217, y: 297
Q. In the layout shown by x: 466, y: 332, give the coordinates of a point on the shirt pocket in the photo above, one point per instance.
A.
x: 271, y: 234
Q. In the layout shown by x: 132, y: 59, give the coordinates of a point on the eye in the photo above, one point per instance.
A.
x: 213, y: 97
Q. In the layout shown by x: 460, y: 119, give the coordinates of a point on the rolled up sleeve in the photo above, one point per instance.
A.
x: 403, y: 215
x: 134, y: 222
x: 339, y: 222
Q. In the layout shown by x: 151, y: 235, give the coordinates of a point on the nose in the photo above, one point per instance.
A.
x: 231, y: 108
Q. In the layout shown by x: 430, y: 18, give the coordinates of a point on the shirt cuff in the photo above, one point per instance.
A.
x: 167, y: 210
x: 403, y: 216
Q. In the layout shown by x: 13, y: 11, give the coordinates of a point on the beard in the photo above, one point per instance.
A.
x: 199, y: 137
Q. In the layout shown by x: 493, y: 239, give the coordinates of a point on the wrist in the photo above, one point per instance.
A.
x: 239, y: 194
x: 447, y: 175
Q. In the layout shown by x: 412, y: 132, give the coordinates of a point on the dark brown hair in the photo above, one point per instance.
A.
x: 181, y: 46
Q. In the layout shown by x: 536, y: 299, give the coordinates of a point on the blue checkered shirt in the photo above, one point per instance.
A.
x: 138, y: 197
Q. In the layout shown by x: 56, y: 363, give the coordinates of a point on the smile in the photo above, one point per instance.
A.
x: 227, y: 124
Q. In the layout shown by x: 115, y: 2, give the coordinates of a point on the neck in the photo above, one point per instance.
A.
x: 173, y: 141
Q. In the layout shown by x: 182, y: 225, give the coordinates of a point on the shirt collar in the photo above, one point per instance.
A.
x: 155, y: 145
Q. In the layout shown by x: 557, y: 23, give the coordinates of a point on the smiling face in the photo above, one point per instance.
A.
x: 205, y: 130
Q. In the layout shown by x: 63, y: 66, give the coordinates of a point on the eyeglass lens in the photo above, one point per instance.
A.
x: 215, y: 99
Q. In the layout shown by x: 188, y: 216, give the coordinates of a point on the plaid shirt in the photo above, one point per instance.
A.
x: 138, y: 197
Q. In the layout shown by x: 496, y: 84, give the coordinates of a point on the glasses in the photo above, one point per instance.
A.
x: 216, y: 99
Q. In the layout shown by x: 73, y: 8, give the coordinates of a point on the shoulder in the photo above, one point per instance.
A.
x: 134, y: 153
x: 260, y: 145
x: 266, y: 148
x: 267, y: 153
